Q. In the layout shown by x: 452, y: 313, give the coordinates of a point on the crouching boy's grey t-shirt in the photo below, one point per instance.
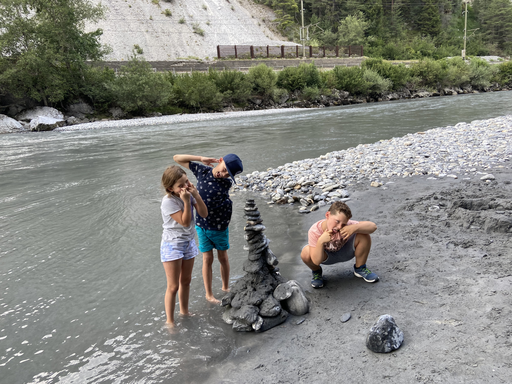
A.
x: 174, y: 232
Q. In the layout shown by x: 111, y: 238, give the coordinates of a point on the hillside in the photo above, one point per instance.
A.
x: 144, y: 23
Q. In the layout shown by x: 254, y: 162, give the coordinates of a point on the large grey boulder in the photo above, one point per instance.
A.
x: 31, y: 114
x: 9, y: 125
x: 43, y: 123
x: 79, y: 110
x: 297, y: 304
x: 384, y: 336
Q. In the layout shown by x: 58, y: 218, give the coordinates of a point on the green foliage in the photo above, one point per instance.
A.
x: 139, y: 89
x: 181, y: 20
x: 44, y: 49
x: 263, y: 80
x: 311, y: 94
x: 197, y: 29
x: 167, y: 12
x: 234, y: 85
x: 504, y: 74
x: 456, y: 72
x: 481, y: 73
x: 350, y: 79
x: 96, y: 88
x: 430, y: 73
x: 197, y: 91
x: 351, y: 30
x: 397, y: 74
x: 429, y: 19
x: 137, y: 49
x: 294, y: 78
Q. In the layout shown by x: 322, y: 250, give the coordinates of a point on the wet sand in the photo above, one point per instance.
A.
x: 443, y: 253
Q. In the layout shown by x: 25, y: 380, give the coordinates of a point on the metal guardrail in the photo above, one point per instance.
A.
x: 285, y: 51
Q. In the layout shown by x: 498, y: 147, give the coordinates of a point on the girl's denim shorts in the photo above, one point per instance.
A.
x: 171, y: 251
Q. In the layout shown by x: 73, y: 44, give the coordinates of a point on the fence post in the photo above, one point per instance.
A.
x: 337, y: 51
x: 349, y: 51
x: 324, y: 50
x: 310, y: 51
x: 252, y: 52
x: 218, y: 51
x: 282, y: 51
x: 361, y: 51
x: 296, y: 51
x: 267, y: 53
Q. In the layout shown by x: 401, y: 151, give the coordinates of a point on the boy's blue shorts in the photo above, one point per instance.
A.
x: 209, y: 239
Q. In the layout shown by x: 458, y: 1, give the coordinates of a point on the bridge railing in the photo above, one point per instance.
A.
x: 285, y: 51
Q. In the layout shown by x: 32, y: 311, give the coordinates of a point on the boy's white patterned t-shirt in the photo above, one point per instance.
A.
x: 215, y: 194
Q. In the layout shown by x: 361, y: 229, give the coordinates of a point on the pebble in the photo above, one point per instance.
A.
x: 346, y: 317
x: 465, y: 149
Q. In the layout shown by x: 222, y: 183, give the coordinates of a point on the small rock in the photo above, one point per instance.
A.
x: 384, y: 336
x: 346, y: 317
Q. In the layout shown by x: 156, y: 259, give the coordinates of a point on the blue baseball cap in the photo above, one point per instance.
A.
x: 233, y: 165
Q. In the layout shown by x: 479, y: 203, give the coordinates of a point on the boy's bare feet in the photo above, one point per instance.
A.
x: 212, y: 300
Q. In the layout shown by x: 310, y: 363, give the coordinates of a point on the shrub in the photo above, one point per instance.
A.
x: 311, y: 93
x: 263, y: 80
x: 350, y: 79
x: 181, y: 20
x: 197, y: 91
x: 139, y: 89
x: 481, y: 73
x: 397, y: 74
x: 375, y: 83
x: 167, y: 12
x: 456, y: 72
x: 429, y: 71
x: 234, y: 85
x: 504, y: 74
x: 95, y: 88
x: 197, y: 29
x: 296, y: 78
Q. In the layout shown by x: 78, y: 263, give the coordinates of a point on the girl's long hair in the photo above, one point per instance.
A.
x: 171, y: 175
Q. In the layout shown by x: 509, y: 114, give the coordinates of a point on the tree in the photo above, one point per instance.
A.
x: 429, y: 20
x: 44, y: 49
x: 351, y: 30
x: 496, y: 19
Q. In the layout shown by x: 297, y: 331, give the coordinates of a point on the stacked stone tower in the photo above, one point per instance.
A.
x: 262, y: 298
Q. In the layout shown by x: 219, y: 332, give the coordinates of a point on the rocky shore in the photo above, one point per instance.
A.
x: 80, y: 116
x: 460, y: 151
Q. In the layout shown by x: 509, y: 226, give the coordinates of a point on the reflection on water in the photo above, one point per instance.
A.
x: 81, y: 282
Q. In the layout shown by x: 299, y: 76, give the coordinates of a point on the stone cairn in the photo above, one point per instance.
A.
x: 262, y: 298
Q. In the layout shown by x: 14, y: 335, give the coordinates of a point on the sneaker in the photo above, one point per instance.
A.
x: 317, y: 281
x: 366, y: 274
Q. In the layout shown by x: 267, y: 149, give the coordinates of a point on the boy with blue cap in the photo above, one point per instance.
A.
x: 213, y: 185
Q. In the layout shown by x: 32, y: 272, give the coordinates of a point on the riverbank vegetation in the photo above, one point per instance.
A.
x: 46, y: 56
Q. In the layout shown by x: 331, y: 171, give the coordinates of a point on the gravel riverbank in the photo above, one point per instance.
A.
x: 459, y: 151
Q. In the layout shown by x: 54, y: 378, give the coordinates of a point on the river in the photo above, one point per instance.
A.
x: 81, y: 280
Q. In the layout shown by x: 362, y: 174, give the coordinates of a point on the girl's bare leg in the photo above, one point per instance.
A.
x: 172, y: 272
x: 185, y: 279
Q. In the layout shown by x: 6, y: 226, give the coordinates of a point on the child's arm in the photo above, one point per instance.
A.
x: 184, y: 217
x: 200, y: 206
x: 184, y: 160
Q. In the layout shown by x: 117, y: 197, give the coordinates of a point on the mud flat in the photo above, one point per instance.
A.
x: 443, y: 254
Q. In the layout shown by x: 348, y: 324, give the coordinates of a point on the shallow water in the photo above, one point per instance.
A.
x: 81, y: 281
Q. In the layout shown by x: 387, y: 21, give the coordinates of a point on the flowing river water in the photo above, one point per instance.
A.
x: 81, y: 283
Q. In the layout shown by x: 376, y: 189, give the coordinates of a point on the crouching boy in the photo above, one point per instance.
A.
x: 338, y: 239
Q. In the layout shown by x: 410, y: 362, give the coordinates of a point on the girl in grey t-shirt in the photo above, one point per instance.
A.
x: 178, y: 247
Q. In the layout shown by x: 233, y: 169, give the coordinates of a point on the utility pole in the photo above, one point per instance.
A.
x: 302, y: 34
x: 465, y: 29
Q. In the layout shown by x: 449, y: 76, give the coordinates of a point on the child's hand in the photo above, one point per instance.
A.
x: 209, y: 161
x: 325, y: 237
x: 185, y: 195
x: 192, y: 189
